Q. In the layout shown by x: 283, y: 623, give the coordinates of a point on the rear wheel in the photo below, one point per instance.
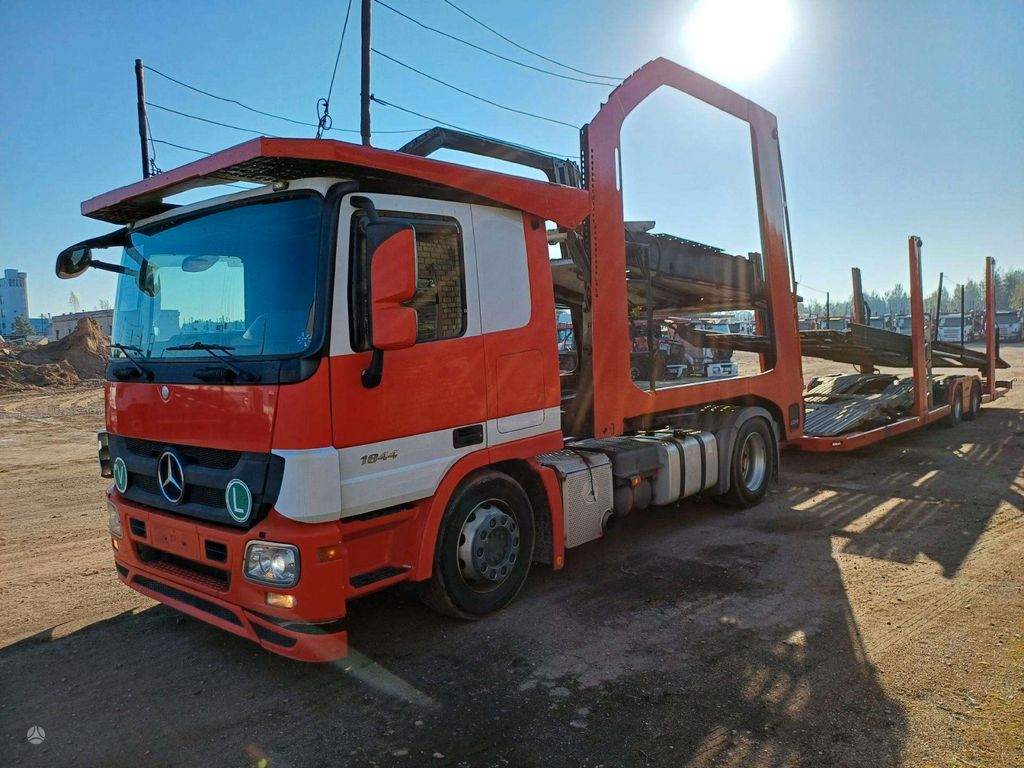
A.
x: 974, y: 406
x: 484, y: 548
x: 956, y: 410
x: 753, y: 464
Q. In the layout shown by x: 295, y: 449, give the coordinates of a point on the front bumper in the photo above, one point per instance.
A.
x: 196, y: 568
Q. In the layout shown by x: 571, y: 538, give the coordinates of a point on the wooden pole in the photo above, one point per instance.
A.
x: 364, y: 92
x: 140, y: 90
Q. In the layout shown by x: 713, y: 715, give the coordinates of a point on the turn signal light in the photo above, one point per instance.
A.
x: 330, y: 553
x: 281, y: 601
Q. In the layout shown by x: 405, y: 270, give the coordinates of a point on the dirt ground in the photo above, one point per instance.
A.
x: 869, y: 613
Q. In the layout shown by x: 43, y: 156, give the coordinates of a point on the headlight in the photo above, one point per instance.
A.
x: 275, y: 565
x: 115, y: 520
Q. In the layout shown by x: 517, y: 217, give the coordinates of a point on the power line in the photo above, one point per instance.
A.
x: 204, y: 119
x: 227, y: 100
x: 460, y: 128
x: 260, y: 111
x: 324, y: 120
x: 528, y: 50
x: 473, y: 95
x: 488, y: 51
x: 179, y: 146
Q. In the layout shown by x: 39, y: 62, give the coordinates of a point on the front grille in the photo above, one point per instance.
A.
x: 183, y: 568
x: 146, y: 483
x: 214, y: 458
x: 207, y: 473
x: 208, y: 497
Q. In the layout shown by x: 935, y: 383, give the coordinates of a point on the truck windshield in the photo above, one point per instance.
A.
x: 242, y: 277
x: 949, y: 322
x: 1006, y: 317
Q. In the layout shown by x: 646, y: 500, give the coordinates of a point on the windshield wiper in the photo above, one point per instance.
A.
x: 127, y: 350
x: 213, y: 349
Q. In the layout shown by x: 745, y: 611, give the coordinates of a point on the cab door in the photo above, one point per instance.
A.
x: 397, y: 440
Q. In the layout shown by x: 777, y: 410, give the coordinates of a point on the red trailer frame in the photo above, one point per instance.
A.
x: 924, y: 411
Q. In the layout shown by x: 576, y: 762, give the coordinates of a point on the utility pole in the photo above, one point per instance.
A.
x: 140, y: 89
x: 828, y: 309
x: 938, y: 308
x: 364, y: 92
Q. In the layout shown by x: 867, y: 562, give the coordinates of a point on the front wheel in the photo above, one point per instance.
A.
x: 484, y: 548
x: 752, y: 464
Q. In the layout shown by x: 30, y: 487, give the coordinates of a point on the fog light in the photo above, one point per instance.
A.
x: 276, y: 565
x: 281, y: 601
x: 115, y: 520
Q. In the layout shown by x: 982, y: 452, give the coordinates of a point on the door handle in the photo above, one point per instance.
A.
x: 471, y: 435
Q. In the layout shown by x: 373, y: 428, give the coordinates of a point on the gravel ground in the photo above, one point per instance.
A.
x: 869, y: 613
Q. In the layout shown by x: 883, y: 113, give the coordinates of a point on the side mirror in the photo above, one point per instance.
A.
x: 149, y: 283
x: 391, y: 249
x: 391, y: 256
x: 73, y: 261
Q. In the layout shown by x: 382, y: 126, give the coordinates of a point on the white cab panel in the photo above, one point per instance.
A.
x: 415, y: 465
x: 311, y: 486
x: 502, y: 270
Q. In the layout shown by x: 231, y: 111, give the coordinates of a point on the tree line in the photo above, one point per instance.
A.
x: 896, y: 301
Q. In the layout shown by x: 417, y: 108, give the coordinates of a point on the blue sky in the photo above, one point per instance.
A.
x: 895, y: 118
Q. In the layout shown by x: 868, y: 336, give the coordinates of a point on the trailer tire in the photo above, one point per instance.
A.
x: 474, y: 576
x: 956, y: 409
x: 974, y: 408
x: 752, y: 464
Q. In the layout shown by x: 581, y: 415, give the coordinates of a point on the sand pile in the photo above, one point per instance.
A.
x: 82, y: 354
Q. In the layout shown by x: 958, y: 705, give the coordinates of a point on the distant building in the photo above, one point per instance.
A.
x: 13, y: 299
x: 62, y: 325
x: 41, y: 325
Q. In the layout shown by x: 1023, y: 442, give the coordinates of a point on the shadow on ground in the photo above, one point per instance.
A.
x: 693, y: 637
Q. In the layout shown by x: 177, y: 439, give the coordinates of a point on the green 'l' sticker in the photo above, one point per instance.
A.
x: 238, y: 500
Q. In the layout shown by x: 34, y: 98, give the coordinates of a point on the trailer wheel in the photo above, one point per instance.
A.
x: 484, y: 548
x: 956, y: 410
x: 974, y: 408
x: 752, y: 464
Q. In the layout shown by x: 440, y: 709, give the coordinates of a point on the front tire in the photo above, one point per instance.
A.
x: 753, y: 464
x: 484, y: 548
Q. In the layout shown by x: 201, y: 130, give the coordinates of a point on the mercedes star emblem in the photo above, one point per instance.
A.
x: 165, y: 392
x: 171, y: 477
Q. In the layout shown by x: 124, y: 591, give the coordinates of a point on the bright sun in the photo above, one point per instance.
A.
x: 738, y: 39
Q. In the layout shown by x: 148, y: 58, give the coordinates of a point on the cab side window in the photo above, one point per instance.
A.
x: 440, y: 300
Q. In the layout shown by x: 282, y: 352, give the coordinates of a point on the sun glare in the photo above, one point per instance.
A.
x: 738, y: 39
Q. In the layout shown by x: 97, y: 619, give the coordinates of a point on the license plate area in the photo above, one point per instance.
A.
x: 175, y: 541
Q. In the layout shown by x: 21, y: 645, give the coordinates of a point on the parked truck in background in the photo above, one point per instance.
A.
x: 953, y: 328
x: 349, y: 377
x: 1009, y: 322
